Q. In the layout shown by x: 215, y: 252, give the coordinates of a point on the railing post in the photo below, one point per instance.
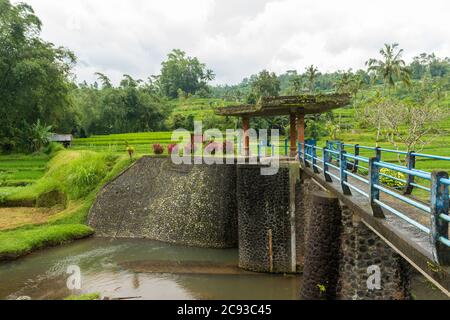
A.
x: 325, y: 159
x: 356, y: 161
x: 259, y: 150
x: 314, y: 156
x: 411, y: 164
x: 286, y: 147
x: 374, y: 193
x: 306, y: 153
x: 378, y: 153
x: 439, y: 227
x: 343, y: 174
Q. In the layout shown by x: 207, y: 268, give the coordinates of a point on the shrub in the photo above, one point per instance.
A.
x: 172, y: 148
x: 158, y: 149
x: 130, y: 151
x: 52, y: 148
x: 390, y: 182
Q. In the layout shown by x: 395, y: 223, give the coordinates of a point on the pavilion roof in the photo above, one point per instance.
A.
x: 285, y: 105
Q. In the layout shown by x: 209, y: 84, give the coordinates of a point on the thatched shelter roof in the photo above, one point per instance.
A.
x: 285, y: 105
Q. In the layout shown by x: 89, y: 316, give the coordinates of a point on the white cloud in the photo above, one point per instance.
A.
x: 237, y: 38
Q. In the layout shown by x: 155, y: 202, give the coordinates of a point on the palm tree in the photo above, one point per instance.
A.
x: 391, y: 67
x: 296, y: 84
x: 311, y: 74
x: 344, y: 82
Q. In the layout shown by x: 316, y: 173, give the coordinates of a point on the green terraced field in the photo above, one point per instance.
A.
x: 16, y: 170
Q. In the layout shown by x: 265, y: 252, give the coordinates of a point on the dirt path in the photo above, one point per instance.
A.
x: 11, y: 218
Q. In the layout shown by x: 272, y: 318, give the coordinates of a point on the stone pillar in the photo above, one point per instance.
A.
x: 321, y: 266
x: 293, y: 134
x: 369, y: 268
x: 245, y: 128
x: 301, y: 130
x: 264, y: 220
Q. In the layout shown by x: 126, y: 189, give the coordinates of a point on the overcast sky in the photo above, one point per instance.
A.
x: 237, y: 38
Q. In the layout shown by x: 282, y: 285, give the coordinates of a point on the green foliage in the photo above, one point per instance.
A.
x: 52, y: 148
x: 39, y: 136
x: 74, y: 173
x: 311, y: 74
x: 390, y: 182
x: 391, y: 68
x: 131, y: 107
x: 264, y: 85
x: 185, y: 73
x: 24, y: 240
x: 86, y: 296
x: 34, y: 77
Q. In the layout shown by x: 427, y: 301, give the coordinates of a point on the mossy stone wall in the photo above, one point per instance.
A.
x: 184, y: 204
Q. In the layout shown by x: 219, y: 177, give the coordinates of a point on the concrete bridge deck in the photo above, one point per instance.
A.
x: 412, y: 244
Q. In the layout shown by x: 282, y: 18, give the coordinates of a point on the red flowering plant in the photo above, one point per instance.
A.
x: 172, y: 148
x: 158, y: 149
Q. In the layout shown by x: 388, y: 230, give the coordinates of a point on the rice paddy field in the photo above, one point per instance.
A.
x: 19, y: 170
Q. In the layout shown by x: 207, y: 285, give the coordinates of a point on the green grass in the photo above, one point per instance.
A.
x: 80, y: 174
x: 24, y: 240
x: 86, y: 296
x: 18, y: 170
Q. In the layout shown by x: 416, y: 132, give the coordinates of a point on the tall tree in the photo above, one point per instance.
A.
x: 311, y: 74
x: 265, y: 84
x: 180, y: 72
x: 34, y: 77
x: 391, y: 67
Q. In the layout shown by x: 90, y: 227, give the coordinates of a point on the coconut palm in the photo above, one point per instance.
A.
x: 391, y: 67
x: 311, y: 74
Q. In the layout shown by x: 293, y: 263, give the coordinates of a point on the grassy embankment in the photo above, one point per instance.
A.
x: 72, y: 179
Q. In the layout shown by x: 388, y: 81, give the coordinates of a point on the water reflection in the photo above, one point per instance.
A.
x: 107, y: 267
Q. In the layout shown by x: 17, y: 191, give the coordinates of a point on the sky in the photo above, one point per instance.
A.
x: 237, y: 38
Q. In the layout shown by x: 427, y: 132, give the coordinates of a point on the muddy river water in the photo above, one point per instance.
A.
x: 144, y: 269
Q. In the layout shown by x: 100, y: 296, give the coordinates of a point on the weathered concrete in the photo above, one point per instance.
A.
x: 186, y: 204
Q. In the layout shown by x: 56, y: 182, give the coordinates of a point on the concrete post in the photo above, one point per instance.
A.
x: 245, y: 128
x: 293, y: 134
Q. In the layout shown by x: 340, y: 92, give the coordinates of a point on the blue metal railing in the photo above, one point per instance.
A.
x: 338, y: 164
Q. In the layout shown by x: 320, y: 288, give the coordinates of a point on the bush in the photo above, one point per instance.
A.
x: 158, y: 149
x: 172, y: 148
x: 52, y: 148
x: 390, y: 182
